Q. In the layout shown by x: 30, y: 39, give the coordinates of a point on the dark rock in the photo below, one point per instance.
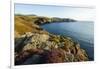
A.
x: 55, y: 56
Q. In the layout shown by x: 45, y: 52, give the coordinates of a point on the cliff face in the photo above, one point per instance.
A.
x: 34, y: 45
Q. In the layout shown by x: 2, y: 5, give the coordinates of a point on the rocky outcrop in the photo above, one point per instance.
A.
x: 36, y: 48
x: 34, y: 45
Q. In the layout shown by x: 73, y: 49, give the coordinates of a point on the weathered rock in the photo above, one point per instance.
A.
x: 34, y: 45
x: 31, y: 48
x: 54, y: 56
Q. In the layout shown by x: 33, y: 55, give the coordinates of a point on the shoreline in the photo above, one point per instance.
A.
x: 36, y: 43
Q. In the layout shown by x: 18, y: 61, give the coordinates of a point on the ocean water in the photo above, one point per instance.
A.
x: 81, y: 31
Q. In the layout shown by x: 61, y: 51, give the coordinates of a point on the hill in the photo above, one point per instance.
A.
x: 34, y: 45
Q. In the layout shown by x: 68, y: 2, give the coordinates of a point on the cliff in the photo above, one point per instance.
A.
x: 34, y: 45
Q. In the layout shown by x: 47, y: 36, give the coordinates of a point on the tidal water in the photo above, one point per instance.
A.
x: 81, y: 31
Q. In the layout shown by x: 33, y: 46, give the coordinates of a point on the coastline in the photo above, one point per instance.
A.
x: 68, y: 49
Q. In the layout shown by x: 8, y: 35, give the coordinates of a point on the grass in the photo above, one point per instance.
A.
x: 26, y: 24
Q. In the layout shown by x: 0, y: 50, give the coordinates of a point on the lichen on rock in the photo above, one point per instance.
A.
x: 34, y: 45
x: 55, y: 49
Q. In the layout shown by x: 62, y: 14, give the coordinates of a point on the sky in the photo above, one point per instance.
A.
x: 77, y: 13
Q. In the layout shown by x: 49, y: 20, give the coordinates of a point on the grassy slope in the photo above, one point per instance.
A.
x: 25, y: 24
x: 30, y: 23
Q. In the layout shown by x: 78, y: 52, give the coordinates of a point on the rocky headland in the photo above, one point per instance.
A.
x: 34, y: 45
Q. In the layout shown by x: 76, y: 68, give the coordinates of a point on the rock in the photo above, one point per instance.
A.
x: 34, y: 59
x: 81, y: 56
x: 21, y: 57
x: 73, y: 50
x: 55, y: 56
x: 37, y: 48
x: 69, y: 57
x: 30, y: 40
x: 34, y: 45
x: 25, y: 56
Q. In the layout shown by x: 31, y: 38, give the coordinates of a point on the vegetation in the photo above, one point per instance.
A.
x: 34, y: 45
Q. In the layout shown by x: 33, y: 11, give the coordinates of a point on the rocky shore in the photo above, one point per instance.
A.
x: 36, y: 46
x: 40, y: 20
